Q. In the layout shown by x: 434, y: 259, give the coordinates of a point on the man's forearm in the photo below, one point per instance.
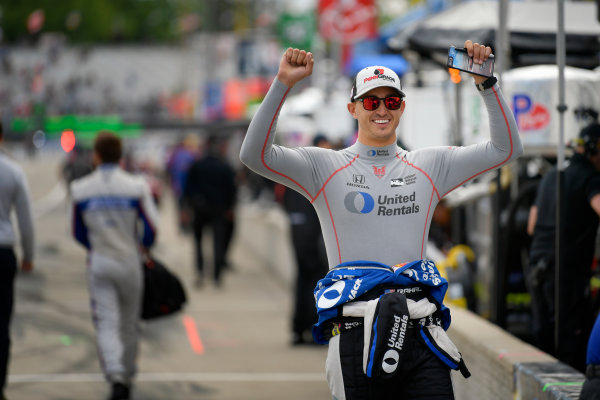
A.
x: 504, y: 132
x: 261, y: 132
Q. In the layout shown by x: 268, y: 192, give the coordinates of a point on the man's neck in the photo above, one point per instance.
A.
x: 376, y: 143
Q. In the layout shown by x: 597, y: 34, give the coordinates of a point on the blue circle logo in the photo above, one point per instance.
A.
x: 359, y: 202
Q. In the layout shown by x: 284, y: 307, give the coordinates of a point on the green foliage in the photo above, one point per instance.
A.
x: 92, y: 21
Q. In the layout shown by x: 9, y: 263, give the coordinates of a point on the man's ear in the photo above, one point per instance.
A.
x: 352, y: 109
x: 96, y: 160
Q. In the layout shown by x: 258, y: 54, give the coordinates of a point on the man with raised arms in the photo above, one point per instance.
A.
x: 375, y: 202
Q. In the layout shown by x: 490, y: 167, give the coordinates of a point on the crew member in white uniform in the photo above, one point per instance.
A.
x: 109, y: 208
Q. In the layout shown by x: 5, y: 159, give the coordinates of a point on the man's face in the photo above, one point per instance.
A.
x: 377, y: 127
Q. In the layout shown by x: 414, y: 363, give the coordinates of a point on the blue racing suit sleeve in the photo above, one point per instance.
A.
x: 147, y: 213
x: 78, y: 228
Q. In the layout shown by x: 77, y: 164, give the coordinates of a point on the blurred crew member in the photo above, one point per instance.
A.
x: 581, y: 193
x: 108, y: 207
x: 210, y: 193
x: 178, y: 164
x: 14, y: 195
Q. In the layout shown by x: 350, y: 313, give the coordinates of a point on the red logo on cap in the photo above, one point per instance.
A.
x: 379, y: 73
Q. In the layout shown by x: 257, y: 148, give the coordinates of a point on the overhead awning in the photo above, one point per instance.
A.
x: 531, y: 27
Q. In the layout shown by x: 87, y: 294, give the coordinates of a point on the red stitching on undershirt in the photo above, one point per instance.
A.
x: 262, y: 153
x: 404, y: 160
x: 331, y: 176
x: 337, y: 240
x: 322, y: 189
x: 426, y: 219
x: 502, y: 162
x: 434, y: 190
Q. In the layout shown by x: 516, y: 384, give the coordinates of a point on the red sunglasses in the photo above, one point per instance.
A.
x: 371, y: 103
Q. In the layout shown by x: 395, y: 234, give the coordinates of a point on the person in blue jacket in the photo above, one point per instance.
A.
x: 591, y: 386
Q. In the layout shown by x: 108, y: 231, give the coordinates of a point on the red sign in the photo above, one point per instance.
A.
x: 537, y: 118
x: 530, y: 115
x: 347, y: 21
x: 67, y: 140
x: 35, y: 21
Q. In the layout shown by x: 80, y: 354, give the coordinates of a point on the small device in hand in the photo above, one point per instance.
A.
x: 459, y: 59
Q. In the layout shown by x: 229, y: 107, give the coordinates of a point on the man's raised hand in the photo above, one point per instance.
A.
x: 295, y: 65
x: 480, y: 54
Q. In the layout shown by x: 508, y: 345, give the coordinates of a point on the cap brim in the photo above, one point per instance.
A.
x: 357, y: 95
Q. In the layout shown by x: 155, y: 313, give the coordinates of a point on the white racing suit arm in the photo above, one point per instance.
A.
x: 451, y: 167
x: 288, y: 166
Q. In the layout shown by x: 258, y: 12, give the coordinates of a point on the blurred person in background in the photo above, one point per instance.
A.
x: 178, y: 164
x: 209, y: 194
x: 14, y: 195
x: 309, y: 252
x: 108, y: 207
x: 147, y: 171
x: 78, y: 163
x: 581, y: 193
x: 375, y: 202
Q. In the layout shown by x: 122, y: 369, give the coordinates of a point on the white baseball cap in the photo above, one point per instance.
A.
x: 372, y: 77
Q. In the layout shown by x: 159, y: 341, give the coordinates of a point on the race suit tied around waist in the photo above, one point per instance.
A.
x: 350, y: 280
x: 389, y: 324
x: 387, y: 318
x: 386, y: 325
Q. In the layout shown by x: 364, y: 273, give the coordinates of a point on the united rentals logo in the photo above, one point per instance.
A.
x: 395, y: 343
x: 398, y: 331
x: 359, y: 202
x: 387, y: 206
x: 399, y: 204
x: 378, y: 152
x: 332, y: 295
x: 379, y: 171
